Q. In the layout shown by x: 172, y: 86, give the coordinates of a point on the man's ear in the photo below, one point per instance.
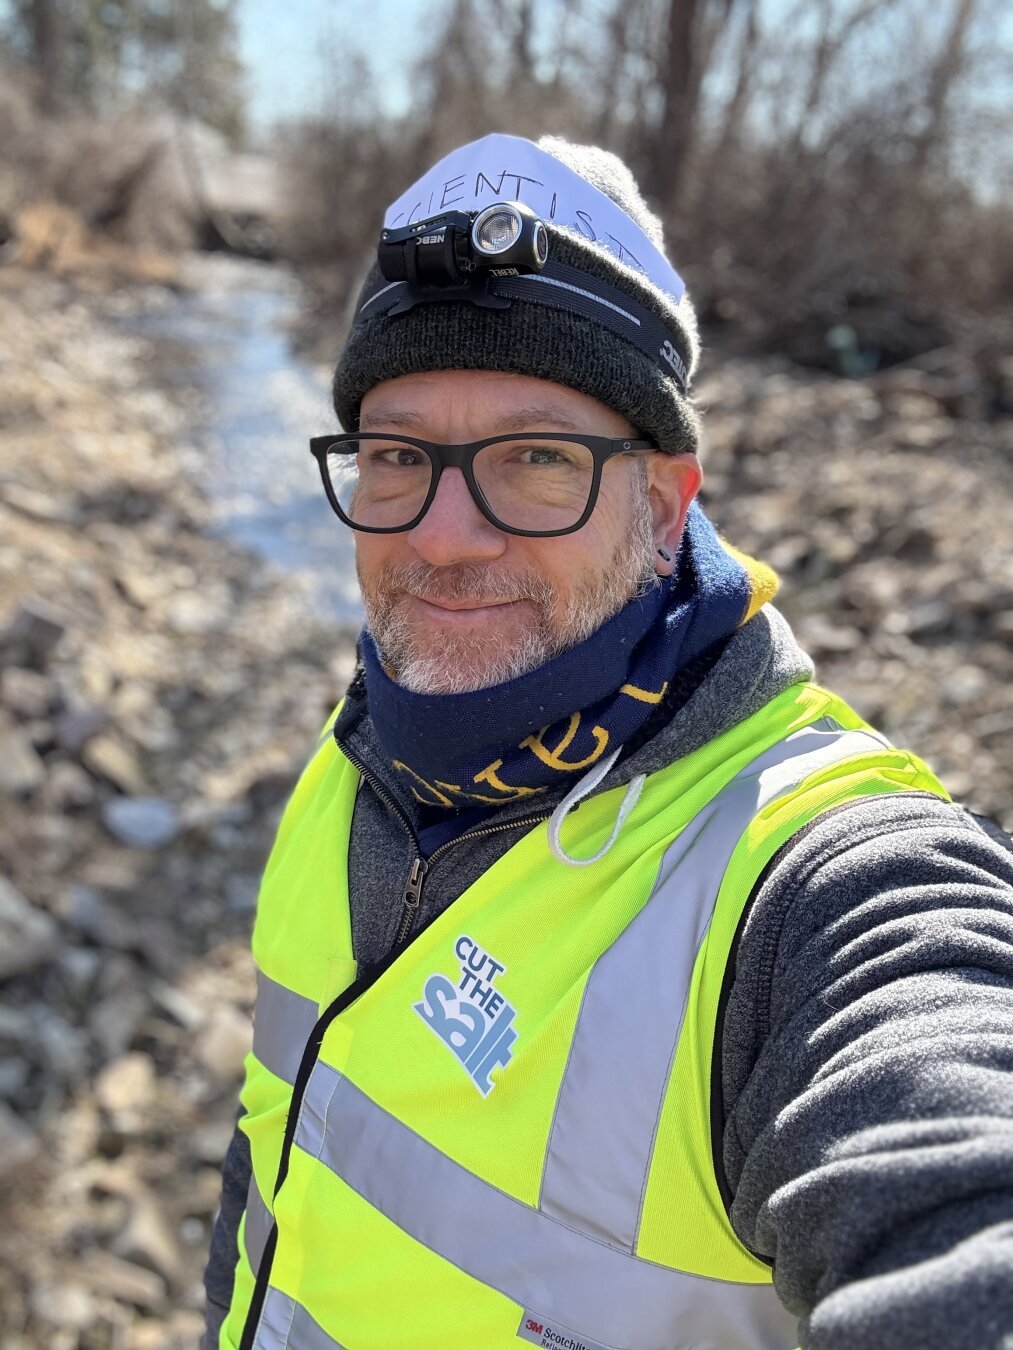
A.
x: 673, y: 481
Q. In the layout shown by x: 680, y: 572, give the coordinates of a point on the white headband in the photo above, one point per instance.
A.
x: 509, y: 168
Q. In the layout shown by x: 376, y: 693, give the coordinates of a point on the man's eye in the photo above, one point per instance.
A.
x: 541, y: 454
x: 397, y: 456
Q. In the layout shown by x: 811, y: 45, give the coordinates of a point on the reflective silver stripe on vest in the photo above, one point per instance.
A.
x: 258, y: 1225
x: 282, y: 1023
x: 602, y: 1136
x: 285, y: 1323
x: 541, y: 1264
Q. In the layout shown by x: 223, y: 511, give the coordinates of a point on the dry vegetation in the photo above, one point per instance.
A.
x: 809, y: 179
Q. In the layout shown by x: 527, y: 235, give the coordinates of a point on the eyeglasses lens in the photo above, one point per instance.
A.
x: 382, y: 485
x: 538, y: 484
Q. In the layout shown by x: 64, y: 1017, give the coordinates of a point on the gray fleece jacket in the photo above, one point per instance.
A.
x: 866, y: 1045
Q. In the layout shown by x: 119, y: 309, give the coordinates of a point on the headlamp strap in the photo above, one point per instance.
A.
x: 559, y: 286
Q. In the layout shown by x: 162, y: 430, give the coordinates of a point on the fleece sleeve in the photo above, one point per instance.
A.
x: 220, y: 1271
x: 867, y: 1079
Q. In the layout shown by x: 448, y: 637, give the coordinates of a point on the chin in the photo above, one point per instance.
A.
x: 464, y: 667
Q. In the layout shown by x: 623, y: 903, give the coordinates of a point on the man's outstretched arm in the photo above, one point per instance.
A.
x: 868, y: 1076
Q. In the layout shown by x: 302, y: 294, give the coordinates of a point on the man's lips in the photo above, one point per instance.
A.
x: 462, y: 611
x: 455, y: 606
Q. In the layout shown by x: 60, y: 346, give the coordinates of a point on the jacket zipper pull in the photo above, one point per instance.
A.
x: 412, y: 897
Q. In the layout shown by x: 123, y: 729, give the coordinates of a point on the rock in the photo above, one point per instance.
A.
x: 820, y: 637
x: 964, y: 685
x: 28, y: 936
x: 31, y: 636
x: 75, y: 727
x: 68, y: 787
x: 147, y: 1241
x: 125, y: 1090
x: 18, y: 1145
x: 27, y: 693
x: 122, y: 1005
x: 984, y: 596
x: 225, y: 1043
x: 114, y: 1278
x: 15, y: 1025
x: 241, y: 893
x: 79, y: 967
x: 68, y: 1306
x: 114, y: 1021
x: 192, y: 614
x: 930, y: 619
x: 64, y: 1047
x: 141, y: 822
x: 179, y: 1006
x: 13, y: 1077
x: 143, y: 588
x: 203, y: 1191
x: 209, y: 1143
x: 21, y: 769
x: 41, y: 506
x: 95, y: 917
x: 39, y: 732
x: 108, y: 758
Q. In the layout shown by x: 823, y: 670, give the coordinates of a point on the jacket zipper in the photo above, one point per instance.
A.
x: 412, y: 894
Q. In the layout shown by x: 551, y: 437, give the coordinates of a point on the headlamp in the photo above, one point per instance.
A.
x: 445, y: 250
x: 497, y: 256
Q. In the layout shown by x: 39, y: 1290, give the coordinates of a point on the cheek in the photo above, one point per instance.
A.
x: 374, y: 552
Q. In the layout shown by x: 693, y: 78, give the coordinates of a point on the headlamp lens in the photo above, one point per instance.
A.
x: 496, y: 229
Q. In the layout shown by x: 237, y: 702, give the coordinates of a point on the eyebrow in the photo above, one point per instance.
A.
x: 529, y: 418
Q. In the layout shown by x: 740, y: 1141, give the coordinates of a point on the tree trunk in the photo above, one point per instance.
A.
x: 46, y: 29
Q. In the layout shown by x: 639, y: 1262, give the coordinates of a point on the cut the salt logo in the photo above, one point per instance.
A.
x: 471, y: 1016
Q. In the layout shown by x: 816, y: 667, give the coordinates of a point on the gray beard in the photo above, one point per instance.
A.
x: 462, y: 662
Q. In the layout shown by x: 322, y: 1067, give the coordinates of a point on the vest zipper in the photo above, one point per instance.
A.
x: 412, y: 901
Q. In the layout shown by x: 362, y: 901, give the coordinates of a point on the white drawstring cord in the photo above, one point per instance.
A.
x: 585, y: 785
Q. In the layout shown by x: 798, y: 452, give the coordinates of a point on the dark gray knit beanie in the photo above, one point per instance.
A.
x: 534, y: 339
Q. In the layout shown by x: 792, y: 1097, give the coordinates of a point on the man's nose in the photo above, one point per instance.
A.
x: 454, y: 530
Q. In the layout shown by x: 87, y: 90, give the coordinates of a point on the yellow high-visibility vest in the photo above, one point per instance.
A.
x: 507, y: 1138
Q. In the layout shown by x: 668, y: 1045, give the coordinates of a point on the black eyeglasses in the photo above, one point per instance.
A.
x: 527, y: 483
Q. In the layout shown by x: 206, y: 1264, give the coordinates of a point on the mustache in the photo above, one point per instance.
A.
x: 462, y: 581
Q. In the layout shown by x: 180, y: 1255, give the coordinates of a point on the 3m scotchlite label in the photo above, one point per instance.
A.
x: 258, y: 1225
x: 282, y: 1023
x: 509, y: 168
x: 602, y: 1136
x: 537, y: 1330
x: 529, y: 1257
x: 286, y: 1325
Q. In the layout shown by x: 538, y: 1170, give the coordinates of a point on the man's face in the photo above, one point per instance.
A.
x: 456, y: 604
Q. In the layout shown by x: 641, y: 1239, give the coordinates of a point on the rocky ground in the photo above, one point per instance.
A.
x: 158, y: 692
x: 886, y: 505
x: 160, y: 689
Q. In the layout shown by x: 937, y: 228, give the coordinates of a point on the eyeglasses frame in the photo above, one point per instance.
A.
x: 462, y: 456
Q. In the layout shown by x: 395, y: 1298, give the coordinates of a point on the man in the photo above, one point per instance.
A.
x: 617, y: 985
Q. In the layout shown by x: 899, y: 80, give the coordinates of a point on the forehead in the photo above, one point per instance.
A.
x: 485, y: 402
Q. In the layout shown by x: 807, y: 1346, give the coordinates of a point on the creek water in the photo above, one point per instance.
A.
x: 258, y: 401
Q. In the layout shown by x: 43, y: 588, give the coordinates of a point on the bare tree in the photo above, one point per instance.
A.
x: 691, y: 31
x: 43, y: 21
x: 729, y: 136
x: 944, y: 74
